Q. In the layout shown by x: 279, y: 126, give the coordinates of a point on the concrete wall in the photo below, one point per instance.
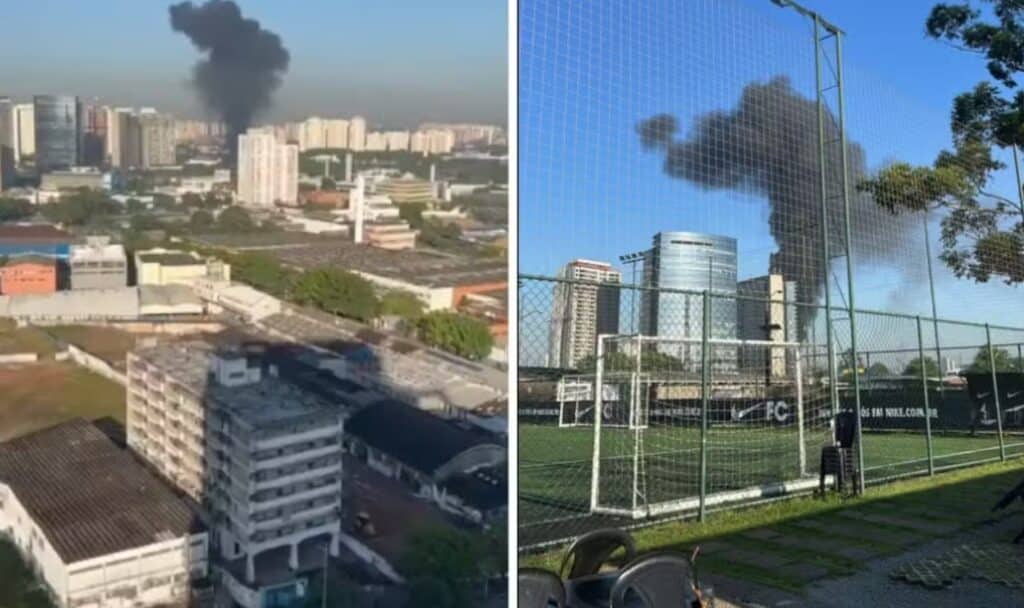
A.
x: 15, y: 358
x: 94, y: 363
x: 17, y: 525
x: 107, y: 278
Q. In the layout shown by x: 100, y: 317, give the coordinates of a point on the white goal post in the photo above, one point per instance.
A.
x: 645, y: 468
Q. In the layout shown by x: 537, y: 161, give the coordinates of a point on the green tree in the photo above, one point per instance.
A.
x: 201, y: 221
x: 264, y: 272
x: 15, y: 209
x: 80, y: 208
x: 456, y: 333
x: 402, y: 304
x: 337, y: 291
x: 913, y: 368
x: 1004, y: 362
x: 412, y: 213
x: 877, y: 370
x: 982, y: 233
x: 235, y: 219
x: 444, y: 566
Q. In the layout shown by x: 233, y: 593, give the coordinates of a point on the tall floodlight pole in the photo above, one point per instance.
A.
x: 833, y: 376
x: 837, y: 36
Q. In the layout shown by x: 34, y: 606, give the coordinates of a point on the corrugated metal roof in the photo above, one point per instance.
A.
x: 89, y: 497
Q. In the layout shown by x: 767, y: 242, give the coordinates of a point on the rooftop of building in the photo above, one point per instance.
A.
x: 94, y: 252
x: 261, y: 404
x: 35, y: 260
x: 484, y: 489
x: 306, y: 251
x: 33, y: 232
x: 169, y: 258
x: 89, y: 497
x: 414, y: 437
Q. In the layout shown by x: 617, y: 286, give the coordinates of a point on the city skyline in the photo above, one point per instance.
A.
x: 442, y: 83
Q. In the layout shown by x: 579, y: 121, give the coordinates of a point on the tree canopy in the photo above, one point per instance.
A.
x: 402, y: 304
x: 982, y: 233
x: 931, y: 367
x: 1004, y: 362
x: 235, y: 219
x: 443, y: 566
x: 80, y: 208
x: 456, y: 333
x: 337, y: 291
x: 15, y: 209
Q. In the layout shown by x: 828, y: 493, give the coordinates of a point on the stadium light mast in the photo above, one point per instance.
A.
x: 633, y: 259
x: 834, y: 33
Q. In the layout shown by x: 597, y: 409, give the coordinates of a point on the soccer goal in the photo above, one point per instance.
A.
x: 576, y: 401
x: 744, y: 423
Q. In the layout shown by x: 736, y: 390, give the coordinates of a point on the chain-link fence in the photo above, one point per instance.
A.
x: 732, y: 400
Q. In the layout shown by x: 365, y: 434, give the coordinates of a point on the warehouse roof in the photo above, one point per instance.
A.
x: 416, y: 438
x: 170, y: 258
x: 89, y: 497
x: 33, y: 232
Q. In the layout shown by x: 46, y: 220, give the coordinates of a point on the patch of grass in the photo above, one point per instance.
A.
x: 107, y: 343
x: 43, y: 394
x: 723, y: 525
x: 25, y: 340
x: 18, y: 586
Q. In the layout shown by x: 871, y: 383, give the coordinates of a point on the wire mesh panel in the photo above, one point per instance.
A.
x: 672, y: 148
x: 892, y: 395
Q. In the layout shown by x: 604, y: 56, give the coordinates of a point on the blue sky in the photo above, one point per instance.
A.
x: 395, y: 61
x: 590, y: 70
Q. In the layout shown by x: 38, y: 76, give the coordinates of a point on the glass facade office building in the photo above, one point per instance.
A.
x: 58, y: 131
x: 694, y: 262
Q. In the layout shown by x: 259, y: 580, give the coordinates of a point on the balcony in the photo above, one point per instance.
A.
x: 288, y: 440
x: 287, y: 459
x: 274, y: 502
x: 302, y: 476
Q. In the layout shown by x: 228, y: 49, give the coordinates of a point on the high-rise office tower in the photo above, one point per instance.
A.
x: 357, y: 133
x: 7, y: 143
x: 766, y: 314
x: 24, y: 131
x: 58, y: 131
x: 125, y: 137
x: 690, y: 262
x: 581, y: 311
x: 268, y: 171
x: 157, y: 138
x: 92, y: 146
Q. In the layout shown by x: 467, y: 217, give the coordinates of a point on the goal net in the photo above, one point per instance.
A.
x: 752, y: 427
x: 576, y: 401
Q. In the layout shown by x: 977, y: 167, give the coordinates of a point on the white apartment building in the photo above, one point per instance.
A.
x: 435, y: 141
x: 397, y: 140
x: 261, y: 454
x: 95, y: 525
x: 357, y: 133
x: 157, y: 138
x: 376, y: 141
x: 581, y: 312
x: 268, y: 171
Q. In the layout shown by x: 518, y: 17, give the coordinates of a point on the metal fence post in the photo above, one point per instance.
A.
x: 705, y: 400
x: 634, y: 419
x: 927, y: 406
x: 595, y: 465
x: 995, y: 391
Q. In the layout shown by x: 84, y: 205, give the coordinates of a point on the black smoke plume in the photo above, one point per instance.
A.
x: 243, y: 66
x: 768, y: 144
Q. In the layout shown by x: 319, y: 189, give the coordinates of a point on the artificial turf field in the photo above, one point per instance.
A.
x: 555, y: 465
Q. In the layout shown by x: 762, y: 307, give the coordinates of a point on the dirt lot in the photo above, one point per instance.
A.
x: 43, y: 394
x: 107, y: 343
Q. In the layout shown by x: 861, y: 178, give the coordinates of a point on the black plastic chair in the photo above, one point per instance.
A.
x: 654, y: 581
x: 592, y: 550
x: 540, y: 588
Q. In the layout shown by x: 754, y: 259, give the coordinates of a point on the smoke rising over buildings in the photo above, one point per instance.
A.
x: 768, y: 144
x: 244, y: 63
